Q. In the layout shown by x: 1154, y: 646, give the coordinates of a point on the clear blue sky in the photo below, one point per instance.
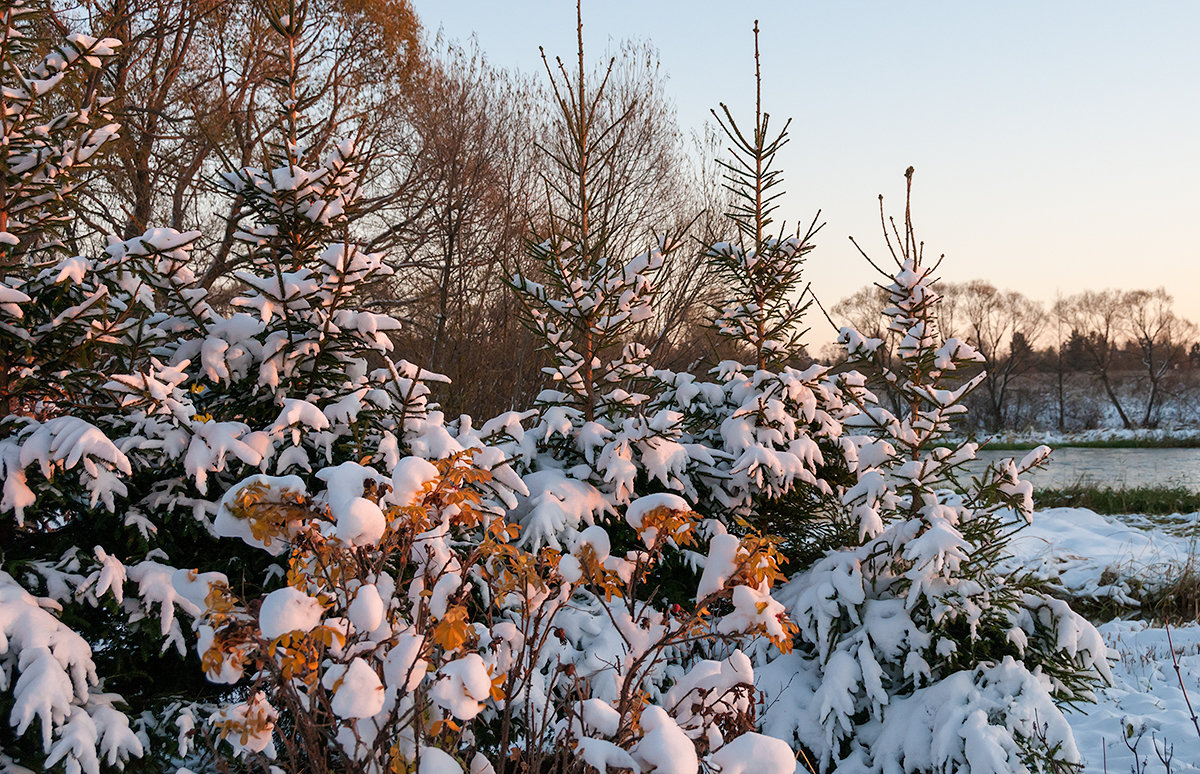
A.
x: 1057, y: 144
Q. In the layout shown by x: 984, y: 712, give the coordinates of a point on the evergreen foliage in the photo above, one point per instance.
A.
x: 917, y: 652
x: 762, y: 268
x: 56, y: 317
x: 243, y: 537
x: 586, y: 302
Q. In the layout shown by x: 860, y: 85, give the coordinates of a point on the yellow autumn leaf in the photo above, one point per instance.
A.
x: 452, y: 631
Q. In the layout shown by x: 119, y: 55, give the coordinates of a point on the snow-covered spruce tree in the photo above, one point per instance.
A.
x: 594, y: 442
x: 53, y: 317
x: 914, y: 653
x: 762, y: 268
x: 113, y: 500
x: 580, y: 300
x: 771, y: 427
x: 64, y: 320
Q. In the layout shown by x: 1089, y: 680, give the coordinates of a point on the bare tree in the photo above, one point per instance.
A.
x: 1060, y: 370
x: 1160, y: 337
x: 1097, y: 316
x: 678, y: 335
x: 1002, y: 325
x: 476, y: 170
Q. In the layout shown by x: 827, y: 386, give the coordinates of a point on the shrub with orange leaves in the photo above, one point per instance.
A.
x: 445, y: 640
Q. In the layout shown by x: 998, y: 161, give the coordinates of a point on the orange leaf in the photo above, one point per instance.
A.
x: 452, y: 631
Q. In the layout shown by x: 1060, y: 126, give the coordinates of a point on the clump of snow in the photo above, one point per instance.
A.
x: 754, y: 610
x: 637, y: 510
x: 720, y: 564
x: 462, y: 686
x: 603, y: 755
x: 288, y: 610
x: 753, y: 753
x: 360, y: 522
x: 347, y: 481
x: 357, y: 690
x: 596, y: 537
x: 409, y: 478
x: 570, y: 569
x: 48, y: 668
x: 600, y: 716
x: 366, y: 611
x: 171, y: 589
x: 556, y: 503
x: 297, y: 416
x: 227, y: 524
x: 665, y: 748
x: 403, y: 669
x: 62, y: 443
x: 230, y: 669
x: 252, y: 725
x: 711, y: 689
x: 435, y: 761
x: 439, y: 599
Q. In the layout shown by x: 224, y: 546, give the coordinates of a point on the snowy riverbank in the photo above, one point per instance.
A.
x: 1163, y: 436
x: 1145, y: 708
x: 1122, y: 560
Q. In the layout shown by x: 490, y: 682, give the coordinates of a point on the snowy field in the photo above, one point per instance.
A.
x: 1145, y: 702
x: 1123, y: 559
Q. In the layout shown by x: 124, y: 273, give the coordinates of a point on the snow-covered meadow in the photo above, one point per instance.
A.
x: 1121, y: 560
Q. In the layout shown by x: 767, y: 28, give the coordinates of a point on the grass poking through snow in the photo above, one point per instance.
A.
x: 1149, y: 500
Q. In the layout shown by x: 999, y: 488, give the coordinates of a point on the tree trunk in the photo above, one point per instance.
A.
x: 1062, y: 419
x: 1112, y: 396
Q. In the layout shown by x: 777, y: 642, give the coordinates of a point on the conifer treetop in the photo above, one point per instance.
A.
x: 584, y: 302
x: 762, y: 267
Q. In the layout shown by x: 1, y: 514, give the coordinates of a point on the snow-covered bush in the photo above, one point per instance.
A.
x: 914, y: 653
x: 414, y: 631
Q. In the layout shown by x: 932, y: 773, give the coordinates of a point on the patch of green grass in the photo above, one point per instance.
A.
x: 1150, y: 500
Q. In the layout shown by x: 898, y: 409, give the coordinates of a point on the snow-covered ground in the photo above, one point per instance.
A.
x: 1123, y: 559
x: 1114, y: 558
x: 1056, y: 439
x: 1146, y: 701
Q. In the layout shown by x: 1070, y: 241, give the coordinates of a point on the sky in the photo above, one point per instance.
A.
x: 1056, y: 143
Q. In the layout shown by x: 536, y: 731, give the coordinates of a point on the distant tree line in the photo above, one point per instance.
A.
x: 1098, y: 358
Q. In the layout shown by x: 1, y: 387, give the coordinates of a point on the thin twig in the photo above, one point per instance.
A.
x: 1179, y: 677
